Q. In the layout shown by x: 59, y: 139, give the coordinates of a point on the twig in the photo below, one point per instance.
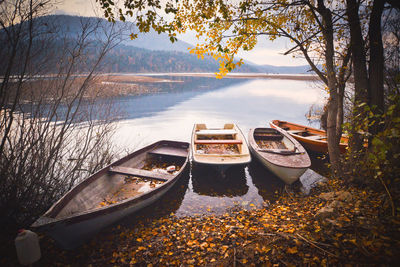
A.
x: 268, y: 234
x: 312, y: 244
x: 389, y: 195
x: 287, y: 191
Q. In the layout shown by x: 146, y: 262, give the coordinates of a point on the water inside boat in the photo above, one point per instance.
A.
x: 134, y: 185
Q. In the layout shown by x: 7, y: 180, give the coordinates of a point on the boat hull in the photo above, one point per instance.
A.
x: 288, y: 163
x: 319, y: 146
x: 220, y: 162
x: 70, y: 234
x: 287, y: 175
x: 71, y: 228
x: 219, y: 168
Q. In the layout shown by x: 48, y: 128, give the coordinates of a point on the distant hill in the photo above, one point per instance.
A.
x: 125, y: 58
x: 159, y: 54
x: 158, y: 42
x: 151, y: 41
x: 150, y: 52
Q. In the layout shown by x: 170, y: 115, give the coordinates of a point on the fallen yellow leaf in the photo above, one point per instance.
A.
x: 292, y: 250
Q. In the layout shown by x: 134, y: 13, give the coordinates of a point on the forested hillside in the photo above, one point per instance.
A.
x: 132, y: 59
x: 128, y: 56
x: 150, y: 52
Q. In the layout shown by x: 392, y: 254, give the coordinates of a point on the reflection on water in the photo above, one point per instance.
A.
x: 171, y: 113
x: 268, y: 184
x: 202, y: 191
x: 168, y: 95
x: 207, y: 182
x: 217, y: 199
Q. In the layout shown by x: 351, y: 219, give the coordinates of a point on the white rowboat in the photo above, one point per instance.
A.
x: 220, y: 148
x: 279, y: 152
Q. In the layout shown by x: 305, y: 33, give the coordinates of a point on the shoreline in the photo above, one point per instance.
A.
x: 151, y: 76
x: 336, y: 223
x: 105, y: 85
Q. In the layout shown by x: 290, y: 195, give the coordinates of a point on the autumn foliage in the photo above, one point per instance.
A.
x: 334, y: 225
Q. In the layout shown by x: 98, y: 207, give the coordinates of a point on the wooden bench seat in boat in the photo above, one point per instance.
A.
x: 268, y: 137
x: 280, y: 151
x: 141, y: 173
x: 217, y: 142
x: 315, y: 137
x: 169, y: 151
x: 216, y: 132
x: 296, y: 131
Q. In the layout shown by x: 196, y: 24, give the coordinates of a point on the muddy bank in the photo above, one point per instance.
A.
x: 48, y: 88
x: 128, y: 84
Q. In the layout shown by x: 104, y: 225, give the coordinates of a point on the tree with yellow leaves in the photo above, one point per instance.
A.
x: 316, y: 29
x: 324, y: 32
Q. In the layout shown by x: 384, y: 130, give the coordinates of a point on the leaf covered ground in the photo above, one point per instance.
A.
x: 352, y: 228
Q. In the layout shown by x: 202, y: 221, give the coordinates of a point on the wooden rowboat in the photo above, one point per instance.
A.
x: 125, y: 186
x: 311, y: 138
x: 279, y: 152
x: 220, y: 148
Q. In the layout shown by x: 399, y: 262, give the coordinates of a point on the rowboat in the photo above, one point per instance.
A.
x: 279, y: 152
x: 122, y: 188
x: 311, y: 138
x: 220, y: 148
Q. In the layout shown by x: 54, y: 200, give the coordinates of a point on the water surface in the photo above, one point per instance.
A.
x: 170, y: 113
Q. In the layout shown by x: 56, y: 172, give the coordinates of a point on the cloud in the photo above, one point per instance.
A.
x: 60, y: 12
x: 78, y: 8
x: 266, y: 52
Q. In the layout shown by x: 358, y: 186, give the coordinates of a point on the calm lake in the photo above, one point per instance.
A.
x: 170, y: 113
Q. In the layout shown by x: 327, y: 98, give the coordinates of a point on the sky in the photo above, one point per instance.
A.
x: 265, y: 53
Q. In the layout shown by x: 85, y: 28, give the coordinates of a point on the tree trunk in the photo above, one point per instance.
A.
x: 360, y: 72
x: 340, y: 113
x: 333, y: 138
x: 376, y: 64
